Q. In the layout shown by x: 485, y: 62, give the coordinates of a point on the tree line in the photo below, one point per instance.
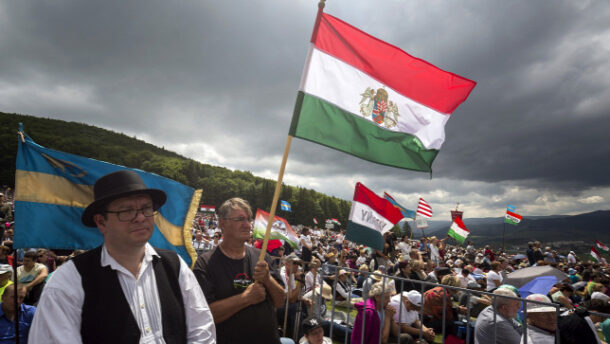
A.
x: 218, y: 183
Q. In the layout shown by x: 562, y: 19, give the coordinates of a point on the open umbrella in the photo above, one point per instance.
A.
x: 521, y: 277
x: 518, y: 256
x: 539, y: 285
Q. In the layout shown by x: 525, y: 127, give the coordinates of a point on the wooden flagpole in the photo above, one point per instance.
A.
x: 278, y: 186
x: 276, y: 196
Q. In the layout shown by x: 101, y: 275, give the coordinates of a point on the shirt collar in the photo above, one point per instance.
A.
x: 107, y: 260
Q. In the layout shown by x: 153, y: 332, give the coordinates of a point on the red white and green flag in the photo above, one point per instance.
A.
x: 458, y: 230
x: 601, y: 246
x: 280, y: 229
x: 595, y: 254
x: 207, y: 208
x: 370, y: 217
x: 315, y: 220
x: 512, y: 218
x: 335, y: 221
x: 365, y: 97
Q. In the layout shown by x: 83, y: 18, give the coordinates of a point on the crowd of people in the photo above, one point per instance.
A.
x: 412, y: 291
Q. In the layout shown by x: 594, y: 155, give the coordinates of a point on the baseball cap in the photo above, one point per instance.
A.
x: 600, y: 296
x: 413, y: 296
x: 4, y: 268
x: 311, y: 324
x: 539, y: 308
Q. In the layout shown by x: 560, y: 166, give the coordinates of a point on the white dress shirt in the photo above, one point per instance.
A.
x: 58, y: 315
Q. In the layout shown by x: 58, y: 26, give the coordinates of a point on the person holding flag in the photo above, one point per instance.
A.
x: 243, y: 292
x: 125, y: 278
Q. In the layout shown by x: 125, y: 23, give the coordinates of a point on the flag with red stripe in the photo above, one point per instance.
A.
x: 365, y: 97
x: 370, y: 217
x: 601, y: 246
x: 512, y: 218
x: 424, y: 209
x: 595, y: 254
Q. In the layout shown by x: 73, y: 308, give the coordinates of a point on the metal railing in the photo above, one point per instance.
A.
x: 423, y: 287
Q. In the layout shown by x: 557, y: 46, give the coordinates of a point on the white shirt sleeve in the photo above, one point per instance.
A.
x: 199, y: 322
x: 58, y: 314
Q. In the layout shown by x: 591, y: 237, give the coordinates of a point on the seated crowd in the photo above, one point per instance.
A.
x: 412, y: 291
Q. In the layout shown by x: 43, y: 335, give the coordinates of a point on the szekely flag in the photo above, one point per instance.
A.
x: 458, y: 230
x: 365, y: 97
x: 595, y: 254
x: 285, y: 206
x: 601, y: 246
x: 370, y: 217
x: 512, y: 218
x: 424, y: 209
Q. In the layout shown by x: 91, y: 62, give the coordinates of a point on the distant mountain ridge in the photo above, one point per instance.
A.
x: 561, y: 232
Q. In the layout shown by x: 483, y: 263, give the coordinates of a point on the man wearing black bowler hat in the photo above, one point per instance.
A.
x: 124, y: 291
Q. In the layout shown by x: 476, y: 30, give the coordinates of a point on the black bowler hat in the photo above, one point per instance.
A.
x: 116, y: 185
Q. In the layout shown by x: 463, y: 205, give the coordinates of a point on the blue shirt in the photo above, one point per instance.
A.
x: 7, y: 327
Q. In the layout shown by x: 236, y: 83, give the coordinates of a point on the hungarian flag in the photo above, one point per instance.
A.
x: 280, y: 229
x: 512, y: 218
x: 458, y: 230
x: 315, y: 220
x: 207, y: 208
x: 370, y: 217
x: 424, y: 209
x: 601, y: 246
x: 335, y: 221
x: 365, y: 97
x: 595, y: 254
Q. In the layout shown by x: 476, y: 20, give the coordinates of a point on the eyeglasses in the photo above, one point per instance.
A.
x: 130, y: 214
x: 238, y: 219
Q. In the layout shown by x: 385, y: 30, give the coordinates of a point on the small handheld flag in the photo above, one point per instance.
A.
x: 424, y: 209
x: 601, y: 246
x: 285, y: 206
x: 207, y: 208
x: 315, y: 220
x: 512, y: 218
x: 595, y: 254
x: 458, y: 230
x: 280, y: 229
x: 405, y: 212
x: 370, y: 217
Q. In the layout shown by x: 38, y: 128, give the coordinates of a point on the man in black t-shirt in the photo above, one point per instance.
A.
x: 243, y: 294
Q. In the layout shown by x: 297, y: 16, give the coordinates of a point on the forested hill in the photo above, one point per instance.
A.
x: 218, y: 183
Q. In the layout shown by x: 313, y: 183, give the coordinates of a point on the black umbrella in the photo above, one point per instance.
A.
x: 521, y: 277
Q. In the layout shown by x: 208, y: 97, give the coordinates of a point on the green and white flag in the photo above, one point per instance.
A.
x: 370, y: 99
x: 512, y: 218
x: 280, y: 229
x: 458, y: 230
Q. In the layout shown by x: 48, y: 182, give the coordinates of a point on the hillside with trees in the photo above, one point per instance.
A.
x: 218, y: 183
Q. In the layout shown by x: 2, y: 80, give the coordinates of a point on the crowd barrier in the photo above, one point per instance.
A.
x: 468, y: 323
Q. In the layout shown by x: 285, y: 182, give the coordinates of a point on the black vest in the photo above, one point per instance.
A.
x: 106, y: 316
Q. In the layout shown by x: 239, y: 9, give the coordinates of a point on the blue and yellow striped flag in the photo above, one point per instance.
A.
x: 53, y: 188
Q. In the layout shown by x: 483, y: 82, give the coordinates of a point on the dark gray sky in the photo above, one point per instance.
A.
x: 217, y: 81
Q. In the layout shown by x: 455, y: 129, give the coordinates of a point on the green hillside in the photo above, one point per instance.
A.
x: 218, y: 183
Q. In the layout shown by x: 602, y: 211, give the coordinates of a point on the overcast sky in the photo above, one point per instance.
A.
x: 217, y: 80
